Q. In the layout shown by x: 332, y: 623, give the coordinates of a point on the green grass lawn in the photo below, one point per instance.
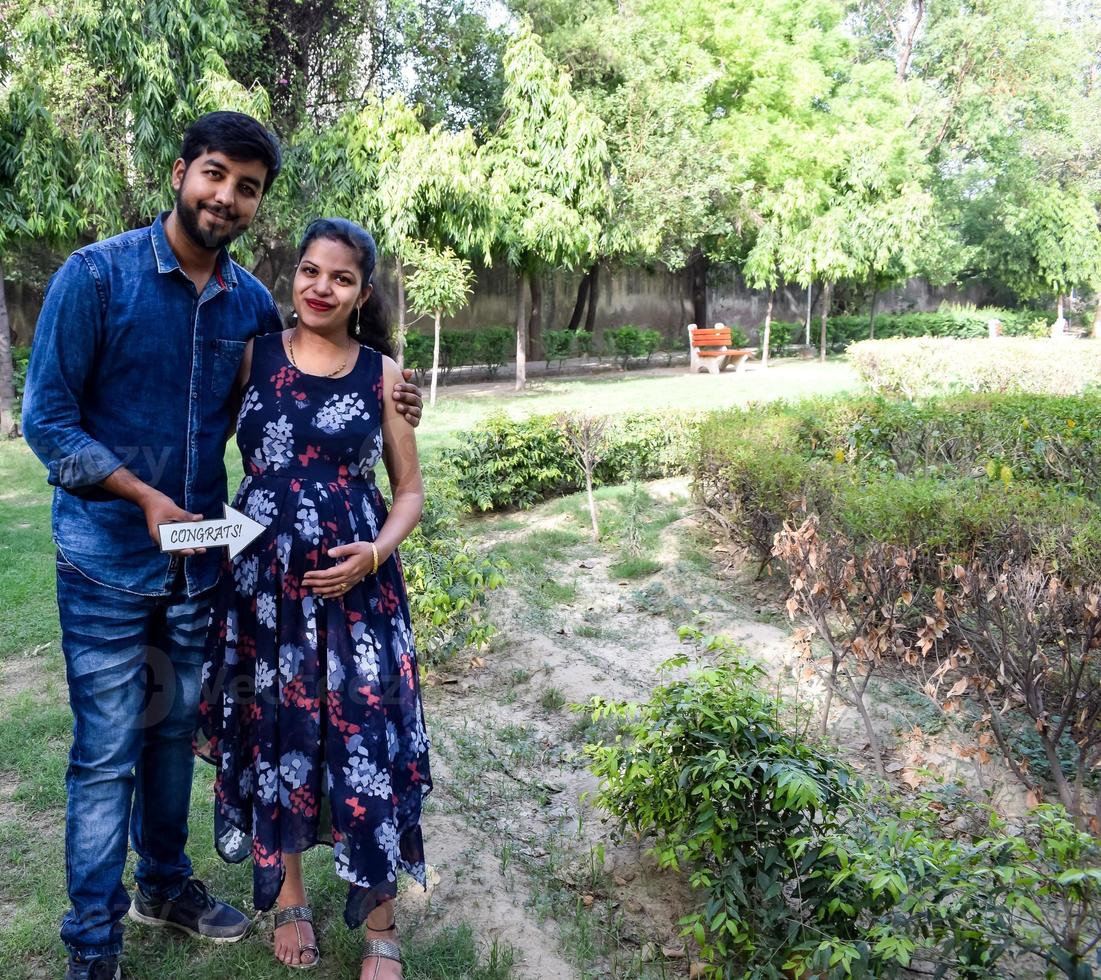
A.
x: 460, y: 407
x: 35, y: 720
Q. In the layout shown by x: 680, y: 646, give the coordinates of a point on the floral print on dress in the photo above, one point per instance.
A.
x: 306, y: 698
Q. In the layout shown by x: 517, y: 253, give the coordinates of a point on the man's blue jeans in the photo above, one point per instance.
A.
x: 134, y: 666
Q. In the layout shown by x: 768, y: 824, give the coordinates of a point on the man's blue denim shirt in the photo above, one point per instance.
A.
x: 131, y: 367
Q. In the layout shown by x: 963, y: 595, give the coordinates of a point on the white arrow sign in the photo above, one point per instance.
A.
x: 235, y: 531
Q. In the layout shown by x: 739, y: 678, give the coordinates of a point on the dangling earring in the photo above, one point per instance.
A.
x: 294, y: 318
x: 359, y: 313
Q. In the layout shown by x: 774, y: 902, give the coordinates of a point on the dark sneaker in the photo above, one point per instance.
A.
x: 103, y: 968
x: 193, y: 911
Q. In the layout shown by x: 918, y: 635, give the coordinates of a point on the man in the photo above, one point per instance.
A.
x: 127, y: 403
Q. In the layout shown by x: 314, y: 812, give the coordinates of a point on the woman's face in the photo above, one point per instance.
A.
x: 328, y: 286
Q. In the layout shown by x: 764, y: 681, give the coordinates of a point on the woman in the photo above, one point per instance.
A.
x: 313, y: 712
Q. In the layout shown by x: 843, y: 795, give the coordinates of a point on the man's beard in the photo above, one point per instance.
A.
x: 189, y: 221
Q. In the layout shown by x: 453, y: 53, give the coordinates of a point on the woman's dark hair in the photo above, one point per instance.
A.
x: 372, y: 325
x: 238, y: 136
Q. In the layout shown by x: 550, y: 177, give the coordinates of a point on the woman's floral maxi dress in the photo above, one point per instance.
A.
x: 311, y: 708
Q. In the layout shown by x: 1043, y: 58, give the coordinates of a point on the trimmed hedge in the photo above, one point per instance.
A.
x: 967, y: 476
x: 957, y: 322
x: 489, y: 346
x: 919, y: 368
x: 507, y: 462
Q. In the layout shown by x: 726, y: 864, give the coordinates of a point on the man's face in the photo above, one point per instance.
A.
x: 216, y: 197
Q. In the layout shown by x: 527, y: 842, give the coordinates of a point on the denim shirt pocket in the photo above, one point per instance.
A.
x: 226, y: 363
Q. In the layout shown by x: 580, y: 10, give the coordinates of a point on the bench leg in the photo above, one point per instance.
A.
x: 740, y: 362
x: 716, y: 364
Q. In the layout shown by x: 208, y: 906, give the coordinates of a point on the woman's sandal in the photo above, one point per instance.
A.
x: 384, y: 949
x: 296, y: 914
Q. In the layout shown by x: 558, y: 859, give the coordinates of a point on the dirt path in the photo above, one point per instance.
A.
x: 521, y: 851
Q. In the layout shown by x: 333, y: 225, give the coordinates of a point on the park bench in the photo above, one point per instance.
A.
x: 711, y: 350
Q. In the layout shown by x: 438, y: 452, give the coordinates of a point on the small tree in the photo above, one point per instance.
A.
x: 1050, y: 245
x: 548, y: 159
x: 585, y: 434
x: 439, y: 286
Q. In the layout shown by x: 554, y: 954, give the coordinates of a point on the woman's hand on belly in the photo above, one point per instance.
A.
x: 354, y: 563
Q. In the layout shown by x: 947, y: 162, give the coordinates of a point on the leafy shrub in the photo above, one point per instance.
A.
x: 754, y: 791
x: 801, y: 872
x: 508, y: 462
x: 556, y: 345
x: 448, y: 579
x: 781, y: 334
x: 649, y: 341
x: 626, y: 342
x: 738, y: 337
x: 492, y: 346
x: 584, y: 341
x: 985, y: 473
x: 418, y: 353
x: 924, y: 367
x: 457, y: 349
x: 960, y: 322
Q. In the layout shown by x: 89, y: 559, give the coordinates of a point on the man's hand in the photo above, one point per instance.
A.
x: 407, y: 397
x: 160, y: 509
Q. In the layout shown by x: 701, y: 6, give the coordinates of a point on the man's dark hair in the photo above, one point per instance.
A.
x: 238, y: 136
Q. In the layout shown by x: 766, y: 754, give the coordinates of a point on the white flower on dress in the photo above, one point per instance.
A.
x: 418, y: 737
x: 283, y: 551
x: 275, y: 447
x: 335, y: 675
x: 338, y: 410
x: 265, y: 609
x: 250, y: 403
x: 267, y: 782
x: 344, y: 866
x: 309, y: 526
x: 231, y: 840
x: 294, y: 769
x: 260, y: 506
x: 245, y: 573
x: 387, y: 836
x: 309, y: 615
x: 372, y: 452
x: 265, y: 675
x: 231, y: 626
x: 290, y: 662
x: 363, y: 775
x: 367, y: 649
x: 369, y: 516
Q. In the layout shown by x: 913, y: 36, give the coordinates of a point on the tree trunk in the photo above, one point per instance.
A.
x: 594, y: 296
x: 810, y: 306
x: 1059, y: 327
x: 535, y: 317
x: 871, y: 315
x: 435, y: 357
x: 827, y: 290
x: 9, y: 424
x: 592, y: 500
x: 399, y: 344
x: 699, y: 291
x: 768, y: 329
x: 521, y: 332
x: 579, y: 306
x: 1097, y: 334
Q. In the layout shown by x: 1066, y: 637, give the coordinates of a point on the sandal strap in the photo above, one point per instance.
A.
x: 293, y: 913
x: 383, y: 948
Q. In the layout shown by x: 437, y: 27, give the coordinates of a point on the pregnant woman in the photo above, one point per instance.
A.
x: 312, y: 712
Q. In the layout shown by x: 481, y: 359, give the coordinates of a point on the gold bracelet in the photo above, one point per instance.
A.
x: 374, y: 551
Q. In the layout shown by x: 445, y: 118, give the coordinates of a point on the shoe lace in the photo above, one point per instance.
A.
x: 197, y: 892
